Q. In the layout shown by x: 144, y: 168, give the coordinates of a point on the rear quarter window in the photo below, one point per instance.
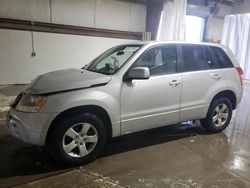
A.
x: 221, y: 57
x: 211, y: 63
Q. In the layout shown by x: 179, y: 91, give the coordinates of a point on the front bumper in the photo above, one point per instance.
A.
x: 29, y: 127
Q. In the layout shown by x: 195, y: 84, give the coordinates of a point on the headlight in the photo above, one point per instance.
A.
x: 30, y: 103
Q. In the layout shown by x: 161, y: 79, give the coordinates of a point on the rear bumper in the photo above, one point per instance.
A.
x: 29, y: 127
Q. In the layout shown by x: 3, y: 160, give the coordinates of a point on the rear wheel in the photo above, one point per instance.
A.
x: 78, y: 140
x: 218, y: 116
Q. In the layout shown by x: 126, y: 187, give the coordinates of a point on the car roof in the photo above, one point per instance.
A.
x: 152, y: 43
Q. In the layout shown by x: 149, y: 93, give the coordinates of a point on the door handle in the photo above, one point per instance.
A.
x: 216, y: 76
x: 174, y: 83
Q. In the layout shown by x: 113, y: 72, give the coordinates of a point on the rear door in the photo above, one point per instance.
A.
x: 202, y: 78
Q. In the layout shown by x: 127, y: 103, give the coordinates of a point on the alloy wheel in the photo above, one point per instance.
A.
x: 220, y: 115
x: 80, y: 139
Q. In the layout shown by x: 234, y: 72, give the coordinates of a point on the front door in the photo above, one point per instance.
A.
x: 154, y: 102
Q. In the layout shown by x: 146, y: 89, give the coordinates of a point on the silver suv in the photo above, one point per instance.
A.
x: 126, y: 89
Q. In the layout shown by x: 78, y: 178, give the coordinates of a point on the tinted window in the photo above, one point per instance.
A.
x: 221, y: 57
x: 210, y: 60
x: 159, y: 60
x: 193, y: 58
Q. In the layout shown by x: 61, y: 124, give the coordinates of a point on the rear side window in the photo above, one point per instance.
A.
x: 221, y: 57
x: 193, y: 58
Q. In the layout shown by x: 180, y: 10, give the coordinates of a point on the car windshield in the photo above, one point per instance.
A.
x: 113, y: 59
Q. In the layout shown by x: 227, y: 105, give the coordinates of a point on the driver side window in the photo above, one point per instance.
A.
x: 159, y: 60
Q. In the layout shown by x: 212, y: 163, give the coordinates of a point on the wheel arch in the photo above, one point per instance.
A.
x: 228, y: 94
x: 94, y: 109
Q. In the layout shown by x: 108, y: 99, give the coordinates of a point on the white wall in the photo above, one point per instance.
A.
x: 224, y: 10
x: 215, y: 29
x: 36, y: 10
x: 106, y: 14
x: 58, y: 51
x: 53, y: 52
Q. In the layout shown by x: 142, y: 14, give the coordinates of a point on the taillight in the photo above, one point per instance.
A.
x: 240, y: 72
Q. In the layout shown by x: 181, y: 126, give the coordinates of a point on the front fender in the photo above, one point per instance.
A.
x: 60, y: 102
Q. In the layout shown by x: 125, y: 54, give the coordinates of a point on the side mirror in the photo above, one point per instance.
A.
x: 138, y: 73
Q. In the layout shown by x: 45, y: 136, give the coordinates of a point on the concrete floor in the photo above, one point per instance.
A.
x: 180, y: 155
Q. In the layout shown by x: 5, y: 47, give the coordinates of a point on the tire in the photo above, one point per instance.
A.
x: 216, y: 119
x: 78, y: 139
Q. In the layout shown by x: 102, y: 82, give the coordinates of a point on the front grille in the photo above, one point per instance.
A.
x: 18, y: 98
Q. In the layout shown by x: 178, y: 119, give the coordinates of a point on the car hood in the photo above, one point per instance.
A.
x: 65, y: 80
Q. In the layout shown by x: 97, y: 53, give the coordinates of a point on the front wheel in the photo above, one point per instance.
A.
x: 78, y: 139
x: 218, y: 116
